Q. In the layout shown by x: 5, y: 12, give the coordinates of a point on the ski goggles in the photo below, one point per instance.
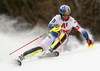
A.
x: 65, y: 13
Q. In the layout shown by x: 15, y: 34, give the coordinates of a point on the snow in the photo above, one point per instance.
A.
x: 78, y: 58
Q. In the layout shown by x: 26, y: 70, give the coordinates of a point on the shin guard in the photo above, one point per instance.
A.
x: 56, y: 44
x: 32, y: 52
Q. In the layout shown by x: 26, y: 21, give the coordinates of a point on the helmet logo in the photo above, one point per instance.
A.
x: 66, y: 9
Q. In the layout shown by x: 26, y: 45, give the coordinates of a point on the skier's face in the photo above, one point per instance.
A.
x: 65, y: 16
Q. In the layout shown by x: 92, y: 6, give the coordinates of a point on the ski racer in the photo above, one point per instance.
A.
x: 64, y: 24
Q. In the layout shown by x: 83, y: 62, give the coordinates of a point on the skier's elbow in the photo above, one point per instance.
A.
x: 50, y: 26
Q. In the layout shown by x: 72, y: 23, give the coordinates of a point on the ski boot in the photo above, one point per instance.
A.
x: 19, y: 59
x: 51, y: 51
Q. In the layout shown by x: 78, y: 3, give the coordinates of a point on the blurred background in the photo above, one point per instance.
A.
x: 86, y: 12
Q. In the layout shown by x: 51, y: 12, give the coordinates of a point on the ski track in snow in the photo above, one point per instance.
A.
x: 79, y: 58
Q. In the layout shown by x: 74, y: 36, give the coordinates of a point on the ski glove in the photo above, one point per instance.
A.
x: 90, y: 42
x: 56, y: 27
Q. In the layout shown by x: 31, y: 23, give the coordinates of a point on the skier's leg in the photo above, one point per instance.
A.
x: 62, y: 46
x: 63, y: 37
x: 29, y: 53
x: 47, y: 42
x: 32, y: 51
x: 43, y: 46
x: 56, y: 44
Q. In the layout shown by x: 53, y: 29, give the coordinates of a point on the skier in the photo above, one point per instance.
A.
x: 66, y: 22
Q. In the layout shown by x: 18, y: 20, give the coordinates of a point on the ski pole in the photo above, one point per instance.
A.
x: 54, y: 29
x: 29, y: 42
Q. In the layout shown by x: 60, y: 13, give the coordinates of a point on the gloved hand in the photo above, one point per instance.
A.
x: 90, y: 42
x: 56, y: 27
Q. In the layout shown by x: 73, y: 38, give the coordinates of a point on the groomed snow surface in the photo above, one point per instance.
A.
x: 76, y: 56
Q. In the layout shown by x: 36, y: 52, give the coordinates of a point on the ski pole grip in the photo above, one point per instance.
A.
x: 55, y: 29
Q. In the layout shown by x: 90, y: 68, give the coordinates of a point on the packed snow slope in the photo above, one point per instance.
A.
x: 76, y: 56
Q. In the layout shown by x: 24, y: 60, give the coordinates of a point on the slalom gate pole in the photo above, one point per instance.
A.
x: 29, y: 43
x: 61, y: 44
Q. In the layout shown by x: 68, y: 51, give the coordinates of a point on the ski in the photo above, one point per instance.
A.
x: 53, y: 54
